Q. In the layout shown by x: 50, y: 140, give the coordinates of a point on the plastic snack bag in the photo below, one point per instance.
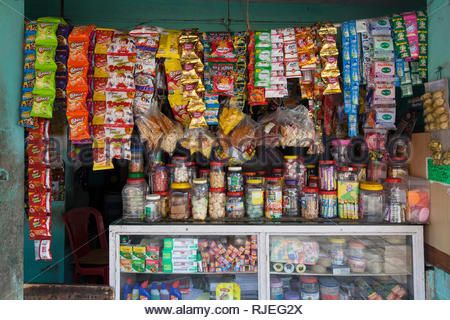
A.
x: 168, y: 45
x: 229, y: 118
x: 79, y: 126
x: 42, y: 250
x: 43, y: 105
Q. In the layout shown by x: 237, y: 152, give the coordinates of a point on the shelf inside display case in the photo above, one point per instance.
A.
x: 342, y: 275
x: 191, y: 273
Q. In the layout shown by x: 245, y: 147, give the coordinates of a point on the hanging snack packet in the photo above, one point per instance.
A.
x: 222, y: 48
x: 46, y: 34
x: 45, y: 80
x: 43, y: 105
x: 103, y: 38
x: 178, y: 105
x: 45, y: 58
x: 42, y: 250
x: 168, y: 45
x: 212, y: 109
x: 223, y: 76
x: 39, y: 227
x: 173, y: 74
x: 79, y: 126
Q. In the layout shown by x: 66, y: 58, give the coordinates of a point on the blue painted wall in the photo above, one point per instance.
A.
x: 11, y: 150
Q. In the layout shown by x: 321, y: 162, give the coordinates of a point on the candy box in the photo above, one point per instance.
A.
x: 138, y: 265
x: 138, y: 252
x: 179, y: 255
x: 151, y: 266
x: 126, y: 252
x: 125, y: 265
x: 181, y: 243
x: 152, y: 252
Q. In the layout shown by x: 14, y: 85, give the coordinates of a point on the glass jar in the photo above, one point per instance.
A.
x: 180, y: 201
x: 348, y: 193
x: 357, y: 264
x: 361, y: 170
x: 311, y: 170
x: 339, y: 151
x: 377, y: 171
x: 217, y: 203
x: 164, y: 207
x: 327, y: 175
x: 254, y: 198
x: 310, y: 203
x: 217, y: 175
x: 200, y: 199
x: 328, y: 204
x: 171, y: 172
x: 302, y: 176
x: 160, y: 179
x: 337, y: 251
x: 313, y: 181
x: 235, y: 180
x: 136, y: 163
x: 133, y: 198
x: 277, y: 172
x: 329, y: 288
x: 309, y: 288
x: 371, y: 201
x: 192, y: 171
x: 204, y: 173
x: 290, y: 167
x: 235, y: 205
x: 398, y: 168
x: 152, y: 208
x: 261, y: 174
x: 274, y: 198
x: 248, y: 175
x: 396, y: 203
x: 290, y: 199
x: 276, y: 289
x: 356, y: 249
x: 181, y: 174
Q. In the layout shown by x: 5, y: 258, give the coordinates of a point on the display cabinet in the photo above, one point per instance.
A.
x: 267, y: 261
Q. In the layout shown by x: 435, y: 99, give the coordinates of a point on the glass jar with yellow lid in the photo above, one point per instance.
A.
x: 371, y: 201
x: 180, y: 201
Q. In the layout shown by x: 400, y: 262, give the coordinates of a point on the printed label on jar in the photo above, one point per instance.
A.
x: 235, y: 183
x: 274, y: 204
x: 257, y: 197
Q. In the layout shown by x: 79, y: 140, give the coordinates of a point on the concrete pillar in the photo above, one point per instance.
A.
x: 11, y: 150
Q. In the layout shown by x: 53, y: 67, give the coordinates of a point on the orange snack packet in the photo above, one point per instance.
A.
x: 79, y: 126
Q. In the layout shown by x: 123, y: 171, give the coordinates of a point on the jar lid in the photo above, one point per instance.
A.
x: 249, y: 173
x: 328, y: 192
x: 340, y: 142
x: 393, y: 180
x: 181, y: 185
x: 371, y: 186
x: 204, y: 170
x: 179, y: 158
x: 290, y: 157
x: 200, y: 181
x: 310, y: 166
x: 254, y: 181
x: 136, y: 175
x: 153, y: 196
x: 290, y: 182
x: 191, y: 164
x: 347, y: 169
x: 313, y: 178
x: 261, y: 173
x: 359, y: 165
x: 325, y: 162
x: 273, y: 179
x: 310, y: 189
x: 217, y: 190
x: 234, y: 169
x: 308, y: 279
x: 235, y: 194
x: 277, y: 170
x: 163, y: 193
x: 356, y: 244
x: 216, y: 164
x: 337, y: 240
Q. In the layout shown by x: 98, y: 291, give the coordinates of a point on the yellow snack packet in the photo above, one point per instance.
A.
x: 168, y: 45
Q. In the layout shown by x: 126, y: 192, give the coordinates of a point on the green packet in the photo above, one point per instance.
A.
x: 45, y: 58
x: 46, y: 34
x: 45, y: 80
x: 43, y: 104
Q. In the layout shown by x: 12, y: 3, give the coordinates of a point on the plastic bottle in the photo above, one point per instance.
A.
x: 143, y: 291
x: 175, y: 293
x: 127, y: 290
x: 135, y: 292
x: 154, y: 292
x: 164, y: 293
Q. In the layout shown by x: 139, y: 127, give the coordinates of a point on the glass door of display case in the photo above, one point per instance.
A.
x: 343, y: 265
x: 188, y: 263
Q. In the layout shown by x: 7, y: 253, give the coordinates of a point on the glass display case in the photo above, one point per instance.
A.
x: 270, y: 261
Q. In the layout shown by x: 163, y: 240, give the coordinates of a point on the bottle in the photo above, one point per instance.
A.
x: 135, y: 292
x: 143, y: 291
x: 175, y: 293
x: 127, y: 291
x: 164, y: 293
x: 154, y: 292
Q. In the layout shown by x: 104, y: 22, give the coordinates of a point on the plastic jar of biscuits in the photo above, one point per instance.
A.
x: 310, y: 203
x: 200, y: 199
x: 217, y: 202
x: 180, y: 173
x: 180, y: 201
x: 217, y: 175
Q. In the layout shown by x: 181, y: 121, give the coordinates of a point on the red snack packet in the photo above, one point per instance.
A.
x: 41, y: 130
x: 39, y: 227
x: 99, y: 112
x: 79, y: 40
x: 79, y: 126
x: 39, y: 176
x: 103, y: 38
x: 38, y: 153
x: 40, y: 199
x: 76, y: 102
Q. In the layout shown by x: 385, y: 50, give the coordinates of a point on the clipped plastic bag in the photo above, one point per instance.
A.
x: 199, y: 140
x: 243, y: 137
x: 297, y: 128
x: 229, y: 118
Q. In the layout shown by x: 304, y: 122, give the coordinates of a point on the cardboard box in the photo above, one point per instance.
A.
x: 152, y: 252
x: 125, y: 265
x: 138, y: 265
x: 179, y: 255
x: 151, y: 266
x: 139, y: 252
x: 181, y: 243
x: 126, y: 251
x: 179, y: 267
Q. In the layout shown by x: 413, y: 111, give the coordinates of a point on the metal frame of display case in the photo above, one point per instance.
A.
x: 263, y: 233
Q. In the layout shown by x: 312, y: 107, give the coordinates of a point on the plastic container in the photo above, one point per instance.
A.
x: 377, y: 171
x: 217, y: 175
x: 329, y: 288
x: 136, y: 163
x: 371, y: 201
x: 171, y: 171
x: 235, y: 179
x: 216, y: 203
x: 164, y: 206
x: 418, y: 210
x: 192, y: 171
x: 361, y: 170
x: 310, y: 203
x: 274, y: 198
x: 152, y: 208
x: 339, y: 151
x: 235, y: 205
x: 327, y: 175
x: 290, y: 167
x: 396, y: 203
x: 180, y: 173
x: 356, y: 249
x: 164, y: 293
x: 200, y: 199
x: 328, y: 204
x: 160, y: 179
x: 204, y: 173
x: 311, y: 170
x: 309, y: 284
x: 254, y: 199
x: 133, y: 199
x: 313, y: 182
x: 348, y: 193
x: 398, y: 168
x: 180, y: 201
x: 290, y: 199
x: 357, y: 265
x: 337, y: 251
x: 302, y: 176
x: 276, y: 289
x: 347, y: 174
x: 248, y: 175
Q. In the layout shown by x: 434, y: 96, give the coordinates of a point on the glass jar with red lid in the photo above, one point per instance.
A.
x: 274, y: 198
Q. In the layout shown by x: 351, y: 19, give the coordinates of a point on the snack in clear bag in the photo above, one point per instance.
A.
x: 229, y: 118
x: 199, y: 140
x: 243, y: 137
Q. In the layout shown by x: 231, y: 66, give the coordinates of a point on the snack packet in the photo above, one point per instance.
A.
x: 43, y: 104
x: 42, y: 250
x: 39, y: 227
x: 168, y: 45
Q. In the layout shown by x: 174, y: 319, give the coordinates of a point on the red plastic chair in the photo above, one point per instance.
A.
x: 88, y: 261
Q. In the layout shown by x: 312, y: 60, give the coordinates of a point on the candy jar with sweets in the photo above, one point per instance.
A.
x: 418, y: 210
x: 235, y: 205
x: 311, y: 170
x: 377, y: 171
x: 290, y: 199
x: 290, y: 167
x: 164, y: 206
x: 204, y: 173
x: 328, y: 204
x: 159, y: 178
x: 133, y: 198
x: 339, y: 151
x: 192, y: 171
x: 217, y: 203
x: 235, y: 179
x: 274, y: 198
x: 361, y: 170
x: 327, y: 175
x: 395, y: 195
x: 152, y: 208
x: 254, y: 198
x: 217, y: 175
x: 181, y: 173
x: 199, y: 199
x: 180, y: 201
x: 371, y: 201
x: 398, y: 168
